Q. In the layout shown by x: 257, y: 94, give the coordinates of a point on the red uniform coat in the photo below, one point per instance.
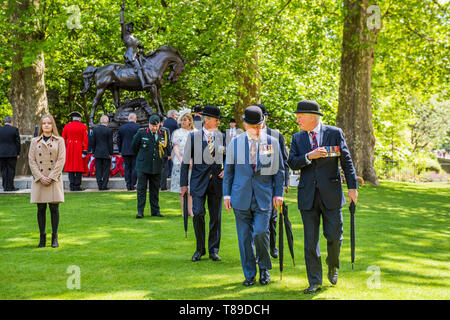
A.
x: 75, y: 136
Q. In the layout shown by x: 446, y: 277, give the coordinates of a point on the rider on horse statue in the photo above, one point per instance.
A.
x: 132, y: 55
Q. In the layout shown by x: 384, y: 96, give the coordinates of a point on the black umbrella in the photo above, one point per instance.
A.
x: 352, y: 230
x: 280, y: 242
x: 289, y: 234
x: 185, y: 214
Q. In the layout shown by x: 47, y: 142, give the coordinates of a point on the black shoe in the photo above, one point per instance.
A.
x: 139, y: 216
x: 214, y: 257
x: 42, y: 240
x: 274, y: 252
x: 249, y: 282
x: 197, y: 256
x: 312, y: 289
x: 264, y: 277
x: 157, y: 215
x: 55, y: 240
x: 332, y: 275
x: 105, y: 189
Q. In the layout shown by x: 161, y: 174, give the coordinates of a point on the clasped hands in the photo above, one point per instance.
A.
x: 46, y: 181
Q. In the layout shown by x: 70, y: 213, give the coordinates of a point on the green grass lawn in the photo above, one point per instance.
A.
x: 402, y: 250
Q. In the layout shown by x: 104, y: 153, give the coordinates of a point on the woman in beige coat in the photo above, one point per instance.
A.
x: 46, y: 158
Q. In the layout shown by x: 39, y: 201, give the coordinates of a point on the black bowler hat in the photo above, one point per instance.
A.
x: 308, y: 106
x: 198, y: 109
x: 253, y: 115
x: 232, y: 120
x: 154, y: 119
x: 211, y: 111
x: 263, y: 109
x: 75, y: 114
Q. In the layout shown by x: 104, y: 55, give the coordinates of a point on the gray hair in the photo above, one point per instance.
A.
x: 8, y: 119
x: 171, y: 113
x: 132, y: 116
x: 104, y: 119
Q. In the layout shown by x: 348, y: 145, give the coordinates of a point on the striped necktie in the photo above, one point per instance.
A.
x: 211, y: 144
x: 313, y: 139
x: 253, y: 153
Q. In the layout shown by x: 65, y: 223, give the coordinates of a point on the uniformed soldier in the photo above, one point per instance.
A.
x: 149, y: 145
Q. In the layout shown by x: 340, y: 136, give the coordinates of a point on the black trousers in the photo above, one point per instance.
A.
x: 215, y: 217
x: 75, y: 180
x: 332, y: 230
x: 41, y: 216
x: 164, y: 174
x: 152, y: 180
x: 102, y: 169
x: 8, y: 168
x: 130, y: 172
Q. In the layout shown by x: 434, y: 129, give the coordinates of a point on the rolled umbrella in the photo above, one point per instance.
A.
x: 352, y: 209
x: 280, y: 242
x: 185, y: 214
x: 289, y: 234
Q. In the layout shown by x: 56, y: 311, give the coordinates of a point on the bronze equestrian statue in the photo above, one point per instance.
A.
x: 139, y: 73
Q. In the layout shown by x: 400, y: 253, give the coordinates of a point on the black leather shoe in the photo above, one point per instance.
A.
x: 332, y: 275
x: 42, y: 240
x: 312, y: 289
x: 55, y: 243
x: 214, y: 257
x: 264, y: 277
x: 139, y: 216
x: 157, y: 215
x: 274, y: 252
x: 249, y: 282
x: 197, y: 256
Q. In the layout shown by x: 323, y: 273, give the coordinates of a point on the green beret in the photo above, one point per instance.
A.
x: 154, y: 119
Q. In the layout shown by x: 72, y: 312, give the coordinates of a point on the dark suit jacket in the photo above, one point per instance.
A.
x: 324, y: 171
x: 125, y: 137
x: 205, y: 169
x: 276, y: 134
x: 102, y: 142
x: 171, y: 124
x: 9, y: 141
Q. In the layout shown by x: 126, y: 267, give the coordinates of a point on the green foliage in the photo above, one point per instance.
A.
x: 296, y: 46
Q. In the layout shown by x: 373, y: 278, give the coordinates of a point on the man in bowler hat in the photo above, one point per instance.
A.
x: 149, y: 145
x: 102, y: 148
x: 76, y: 139
x: 9, y: 153
x: 319, y: 189
x: 253, y: 183
x: 205, y: 149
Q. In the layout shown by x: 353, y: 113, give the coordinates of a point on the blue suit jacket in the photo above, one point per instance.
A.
x: 324, y: 171
x: 241, y: 183
x: 125, y: 137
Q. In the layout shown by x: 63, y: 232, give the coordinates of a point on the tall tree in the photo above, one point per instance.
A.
x: 354, y: 114
x: 27, y: 94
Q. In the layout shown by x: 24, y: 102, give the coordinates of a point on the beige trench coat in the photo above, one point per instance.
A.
x: 46, y: 159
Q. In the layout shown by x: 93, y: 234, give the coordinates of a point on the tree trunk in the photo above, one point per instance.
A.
x: 27, y: 93
x: 354, y: 111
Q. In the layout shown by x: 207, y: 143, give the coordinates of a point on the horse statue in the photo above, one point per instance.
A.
x: 116, y: 76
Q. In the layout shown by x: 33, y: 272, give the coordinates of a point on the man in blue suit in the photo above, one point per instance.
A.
x: 124, y: 138
x: 253, y: 180
x: 320, y: 189
x: 205, y: 150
